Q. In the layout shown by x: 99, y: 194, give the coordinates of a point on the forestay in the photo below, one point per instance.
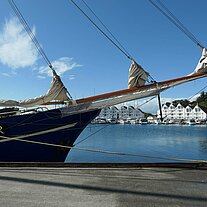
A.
x: 57, y: 91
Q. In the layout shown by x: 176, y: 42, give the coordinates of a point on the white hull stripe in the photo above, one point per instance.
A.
x: 5, y: 139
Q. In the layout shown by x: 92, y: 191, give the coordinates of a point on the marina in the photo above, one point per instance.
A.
x: 149, y: 121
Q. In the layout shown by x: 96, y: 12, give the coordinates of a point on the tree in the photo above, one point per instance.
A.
x: 184, y: 102
x: 202, y: 97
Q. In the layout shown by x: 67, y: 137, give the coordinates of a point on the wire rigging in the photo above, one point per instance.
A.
x: 97, y: 131
x: 118, y: 42
x: 30, y: 33
x: 33, y: 38
x: 172, y: 18
x: 97, y: 27
x: 167, y: 13
x: 115, y: 42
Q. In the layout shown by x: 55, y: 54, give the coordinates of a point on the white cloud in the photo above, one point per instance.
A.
x: 41, y: 77
x: 71, y: 77
x: 62, y: 65
x: 16, y: 48
x: 18, y: 51
x: 6, y: 74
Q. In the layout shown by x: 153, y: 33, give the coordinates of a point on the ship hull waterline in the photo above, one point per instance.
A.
x: 52, y: 126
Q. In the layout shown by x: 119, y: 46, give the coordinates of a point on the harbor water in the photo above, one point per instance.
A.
x: 166, y: 141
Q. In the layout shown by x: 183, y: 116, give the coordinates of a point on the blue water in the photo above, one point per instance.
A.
x: 189, y: 142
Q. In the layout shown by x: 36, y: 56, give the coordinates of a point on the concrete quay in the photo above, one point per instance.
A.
x: 102, y: 186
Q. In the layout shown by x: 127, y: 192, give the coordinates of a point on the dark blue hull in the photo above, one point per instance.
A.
x: 53, y: 126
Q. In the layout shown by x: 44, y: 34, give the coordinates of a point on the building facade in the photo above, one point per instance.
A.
x: 178, y: 111
x: 125, y: 112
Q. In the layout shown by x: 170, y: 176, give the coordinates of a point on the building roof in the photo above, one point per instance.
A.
x: 204, y: 108
x: 114, y: 107
x: 131, y: 107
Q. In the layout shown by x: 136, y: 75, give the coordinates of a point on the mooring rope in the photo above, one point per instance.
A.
x: 107, y: 152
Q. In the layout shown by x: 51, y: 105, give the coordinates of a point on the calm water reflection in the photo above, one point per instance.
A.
x: 188, y: 142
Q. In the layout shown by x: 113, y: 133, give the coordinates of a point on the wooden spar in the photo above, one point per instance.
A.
x: 141, y: 88
x: 55, y: 103
x: 132, y: 90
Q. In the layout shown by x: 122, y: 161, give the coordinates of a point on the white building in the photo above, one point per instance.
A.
x: 135, y: 113
x: 200, y: 113
x: 178, y: 111
x: 123, y: 113
x: 109, y: 113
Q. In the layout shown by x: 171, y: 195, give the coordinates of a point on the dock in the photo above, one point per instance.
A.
x: 103, y: 184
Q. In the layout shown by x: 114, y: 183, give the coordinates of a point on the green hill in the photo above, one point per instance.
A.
x: 201, y: 101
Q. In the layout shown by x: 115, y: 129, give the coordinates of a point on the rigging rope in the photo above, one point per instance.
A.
x: 30, y: 33
x: 106, y: 152
x: 107, y: 29
x: 116, y: 43
x: 97, y: 27
x: 33, y: 38
x: 91, y: 134
x: 147, y: 101
x: 198, y: 92
x: 121, y: 48
x: 172, y: 18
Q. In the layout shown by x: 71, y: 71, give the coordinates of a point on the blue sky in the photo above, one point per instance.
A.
x: 88, y: 63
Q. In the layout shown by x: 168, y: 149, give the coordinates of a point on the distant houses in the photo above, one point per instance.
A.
x: 172, y: 113
x: 123, y: 113
x: 177, y: 112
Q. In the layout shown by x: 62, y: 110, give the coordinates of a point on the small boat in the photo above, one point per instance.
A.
x: 134, y: 121
x: 100, y: 121
x: 31, y: 133
x: 191, y: 122
x: 112, y: 121
x: 143, y: 121
x: 122, y: 121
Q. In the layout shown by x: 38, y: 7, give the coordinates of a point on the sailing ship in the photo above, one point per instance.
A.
x: 30, y: 133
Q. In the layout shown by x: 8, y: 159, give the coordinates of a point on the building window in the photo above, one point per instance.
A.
x: 197, y: 109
